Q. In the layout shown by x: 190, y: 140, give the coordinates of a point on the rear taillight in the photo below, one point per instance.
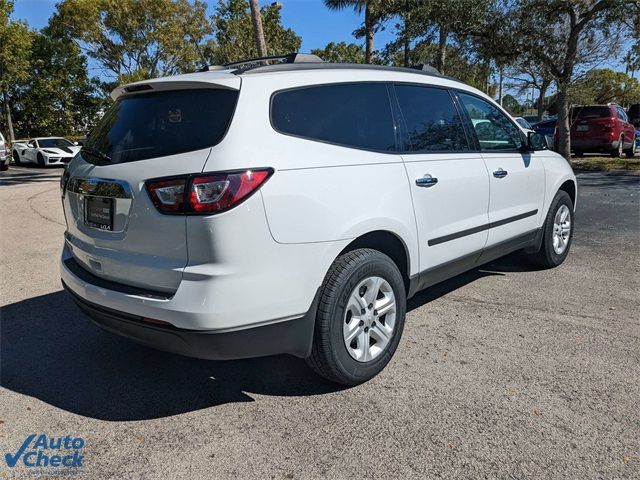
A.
x: 205, y: 194
x: 167, y: 195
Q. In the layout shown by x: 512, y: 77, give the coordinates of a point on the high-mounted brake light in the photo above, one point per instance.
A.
x: 204, y: 194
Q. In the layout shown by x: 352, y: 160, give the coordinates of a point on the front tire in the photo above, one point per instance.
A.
x: 360, y: 317
x: 40, y: 160
x: 16, y: 158
x: 557, y: 232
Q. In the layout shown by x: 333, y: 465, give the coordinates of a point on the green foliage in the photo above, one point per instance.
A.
x: 234, y: 33
x: 341, y: 52
x: 15, y: 45
x: 135, y: 39
x: 58, y: 97
x: 15, y: 49
x: 511, y: 104
x: 605, y: 86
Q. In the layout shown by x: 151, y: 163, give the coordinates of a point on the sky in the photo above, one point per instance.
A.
x: 310, y: 19
x: 316, y: 24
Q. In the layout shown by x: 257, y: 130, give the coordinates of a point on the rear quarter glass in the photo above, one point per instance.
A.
x: 150, y: 125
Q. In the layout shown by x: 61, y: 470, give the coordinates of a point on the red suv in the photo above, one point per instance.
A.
x: 602, y: 128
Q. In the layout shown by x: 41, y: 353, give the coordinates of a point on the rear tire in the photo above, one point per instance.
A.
x: 353, y: 341
x: 630, y: 152
x: 617, y: 152
x: 557, y: 233
x: 16, y: 158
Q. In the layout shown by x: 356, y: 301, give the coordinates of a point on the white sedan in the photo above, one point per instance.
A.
x: 44, y: 151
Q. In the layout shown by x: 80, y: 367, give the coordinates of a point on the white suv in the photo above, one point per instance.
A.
x: 293, y: 208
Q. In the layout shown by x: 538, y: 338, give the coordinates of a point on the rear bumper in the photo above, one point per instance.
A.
x: 593, y: 145
x: 292, y: 337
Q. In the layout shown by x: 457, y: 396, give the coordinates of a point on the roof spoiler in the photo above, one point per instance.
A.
x: 259, y: 61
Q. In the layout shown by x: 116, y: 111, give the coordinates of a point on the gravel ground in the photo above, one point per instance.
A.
x: 504, y: 372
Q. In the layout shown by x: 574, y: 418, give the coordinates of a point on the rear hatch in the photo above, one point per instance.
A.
x: 113, y: 229
x: 591, y: 122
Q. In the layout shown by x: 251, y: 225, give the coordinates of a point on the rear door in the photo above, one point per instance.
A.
x: 448, y: 181
x: 113, y: 228
x: 516, y: 178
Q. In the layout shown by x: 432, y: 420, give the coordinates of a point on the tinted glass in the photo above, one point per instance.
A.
x: 634, y: 110
x: 584, y: 113
x: 354, y: 115
x: 431, y: 121
x: 54, y: 143
x: 160, y: 124
x: 546, y: 124
x: 494, y: 130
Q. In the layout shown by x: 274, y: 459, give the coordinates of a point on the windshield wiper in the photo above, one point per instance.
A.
x: 97, y: 153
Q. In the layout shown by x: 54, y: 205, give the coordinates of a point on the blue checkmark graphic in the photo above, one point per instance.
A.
x: 13, y: 459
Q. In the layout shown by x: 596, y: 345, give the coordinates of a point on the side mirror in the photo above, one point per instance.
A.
x: 537, y: 141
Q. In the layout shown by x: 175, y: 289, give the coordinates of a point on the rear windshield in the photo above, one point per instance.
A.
x: 584, y: 113
x: 160, y: 124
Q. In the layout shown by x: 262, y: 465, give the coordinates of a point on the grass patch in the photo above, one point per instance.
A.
x: 604, y: 164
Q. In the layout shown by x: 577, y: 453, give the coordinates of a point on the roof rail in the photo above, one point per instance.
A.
x: 260, y: 61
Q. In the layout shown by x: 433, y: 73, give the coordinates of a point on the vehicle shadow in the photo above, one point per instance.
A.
x: 51, y: 351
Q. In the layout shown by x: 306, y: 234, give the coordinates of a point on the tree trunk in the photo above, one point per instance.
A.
x: 564, y: 140
x: 543, y: 92
x: 368, y: 30
x: 8, y: 114
x: 258, y: 31
x: 405, y: 39
x: 442, y: 49
x: 500, y: 85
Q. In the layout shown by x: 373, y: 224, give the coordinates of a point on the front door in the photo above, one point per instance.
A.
x: 516, y: 177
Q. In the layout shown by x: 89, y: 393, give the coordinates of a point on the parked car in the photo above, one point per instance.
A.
x: 290, y: 208
x: 523, y: 123
x: 634, y: 115
x: 4, y: 154
x: 602, y: 128
x: 44, y: 151
x: 546, y: 128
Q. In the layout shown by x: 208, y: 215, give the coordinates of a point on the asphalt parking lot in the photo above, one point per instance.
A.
x: 503, y: 372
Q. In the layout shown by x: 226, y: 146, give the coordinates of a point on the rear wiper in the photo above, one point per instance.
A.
x: 97, y: 153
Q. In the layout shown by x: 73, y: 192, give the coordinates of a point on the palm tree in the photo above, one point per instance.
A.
x: 258, y: 32
x: 369, y: 19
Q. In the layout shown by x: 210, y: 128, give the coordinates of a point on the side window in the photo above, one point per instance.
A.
x: 355, y: 115
x: 431, y: 120
x: 622, y: 115
x: 494, y: 130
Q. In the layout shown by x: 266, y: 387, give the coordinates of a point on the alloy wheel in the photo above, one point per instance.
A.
x: 561, y: 229
x: 369, y: 319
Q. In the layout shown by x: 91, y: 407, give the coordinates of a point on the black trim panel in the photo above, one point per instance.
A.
x: 427, y: 278
x: 481, y: 228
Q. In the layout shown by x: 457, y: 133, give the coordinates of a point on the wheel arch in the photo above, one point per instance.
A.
x: 388, y: 243
x: 569, y: 186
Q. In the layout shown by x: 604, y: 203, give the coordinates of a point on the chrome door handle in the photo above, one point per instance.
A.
x: 426, y: 181
x: 500, y: 173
